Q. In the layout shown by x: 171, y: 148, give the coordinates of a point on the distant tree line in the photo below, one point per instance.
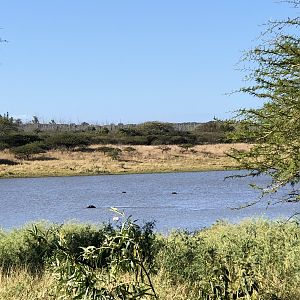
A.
x: 34, y: 137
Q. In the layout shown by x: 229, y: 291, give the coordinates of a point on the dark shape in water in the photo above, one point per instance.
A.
x: 174, y: 193
x: 91, y: 206
x: 123, y: 192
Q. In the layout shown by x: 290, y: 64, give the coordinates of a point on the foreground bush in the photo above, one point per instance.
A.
x: 33, y: 246
x: 119, y: 268
x: 87, y: 263
x: 253, y: 260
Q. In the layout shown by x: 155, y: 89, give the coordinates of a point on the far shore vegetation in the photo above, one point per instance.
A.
x: 120, y: 159
x: 34, y: 149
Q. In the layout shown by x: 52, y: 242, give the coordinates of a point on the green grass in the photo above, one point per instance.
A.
x: 256, y: 259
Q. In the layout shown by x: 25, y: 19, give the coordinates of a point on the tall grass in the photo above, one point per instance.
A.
x: 256, y: 259
x: 35, y: 245
x: 21, y: 284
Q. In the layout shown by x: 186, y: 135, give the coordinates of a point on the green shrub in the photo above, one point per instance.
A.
x: 28, y: 150
x: 19, y: 249
x: 211, y: 137
x: 18, y: 139
x: 7, y: 124
x: 7, y: 162
x: 155, y: 128
x: 3, y: 146
x: 257, y: 258
x: 34, y: 245
x: 67, y: 141
x: 119, y: 268
x: 112, y: 152
x: 183, y: 138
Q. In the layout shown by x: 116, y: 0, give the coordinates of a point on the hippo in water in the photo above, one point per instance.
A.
x: 91, y: 206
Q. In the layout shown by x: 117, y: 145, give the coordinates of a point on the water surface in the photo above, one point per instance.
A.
x: 201, y: 199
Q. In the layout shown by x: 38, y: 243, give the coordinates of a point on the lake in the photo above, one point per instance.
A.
x: 174, y: 200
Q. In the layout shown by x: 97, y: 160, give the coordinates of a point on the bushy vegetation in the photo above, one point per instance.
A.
x: 252, y: 260
x: 34, y: 245
x: 66, y: 140
x: 28, y: 150
x: 112, y: 152
x: 26, y: 140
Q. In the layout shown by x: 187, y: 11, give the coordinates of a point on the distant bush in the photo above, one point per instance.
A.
x: 186, y: 147
x: 184, y: 138
x: 113, y: 153
x: 129, y: 149
x: 138, y: 140
x: 7, y: 124
x: 105, y: 149
x: 113, y: 139
x: 67, y: 141
x: 211, y: 137
x: 7, y: 162
x: 129, y: 131
x: 18, y: 139
x: 165, y: 149
x: 28, y: 150
x: 155, y: 128
x: 149, y: 133
x: 3, y: 146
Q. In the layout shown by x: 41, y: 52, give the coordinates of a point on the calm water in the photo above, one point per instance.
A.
x: 201, y: 199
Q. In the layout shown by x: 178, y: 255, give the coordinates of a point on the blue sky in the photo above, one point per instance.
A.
x: 127, y: 61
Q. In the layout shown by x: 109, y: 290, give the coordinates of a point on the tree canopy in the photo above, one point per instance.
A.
x: 7, y: 124
x: 273, y: 74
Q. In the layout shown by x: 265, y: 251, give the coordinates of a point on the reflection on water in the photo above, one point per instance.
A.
x: 201, y: 198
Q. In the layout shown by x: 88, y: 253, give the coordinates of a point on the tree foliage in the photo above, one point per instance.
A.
x: 66, y: 140
x: 7, y: 124
x: 120, y: 268
x: 273, y: 69
x: 28, y: 150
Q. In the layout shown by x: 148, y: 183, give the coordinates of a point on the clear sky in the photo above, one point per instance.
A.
x: 128, y: 61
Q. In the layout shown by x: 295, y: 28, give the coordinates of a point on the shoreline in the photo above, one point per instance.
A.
x: 120, y: 173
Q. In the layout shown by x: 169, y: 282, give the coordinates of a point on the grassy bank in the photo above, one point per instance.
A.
x: 256, y: 259
x: 135, y: 159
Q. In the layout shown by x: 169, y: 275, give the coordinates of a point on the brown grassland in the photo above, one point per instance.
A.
x: 141, y: 159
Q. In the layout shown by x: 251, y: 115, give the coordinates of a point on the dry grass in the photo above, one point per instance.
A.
x: 146, y: 159
x: 20, y: 285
